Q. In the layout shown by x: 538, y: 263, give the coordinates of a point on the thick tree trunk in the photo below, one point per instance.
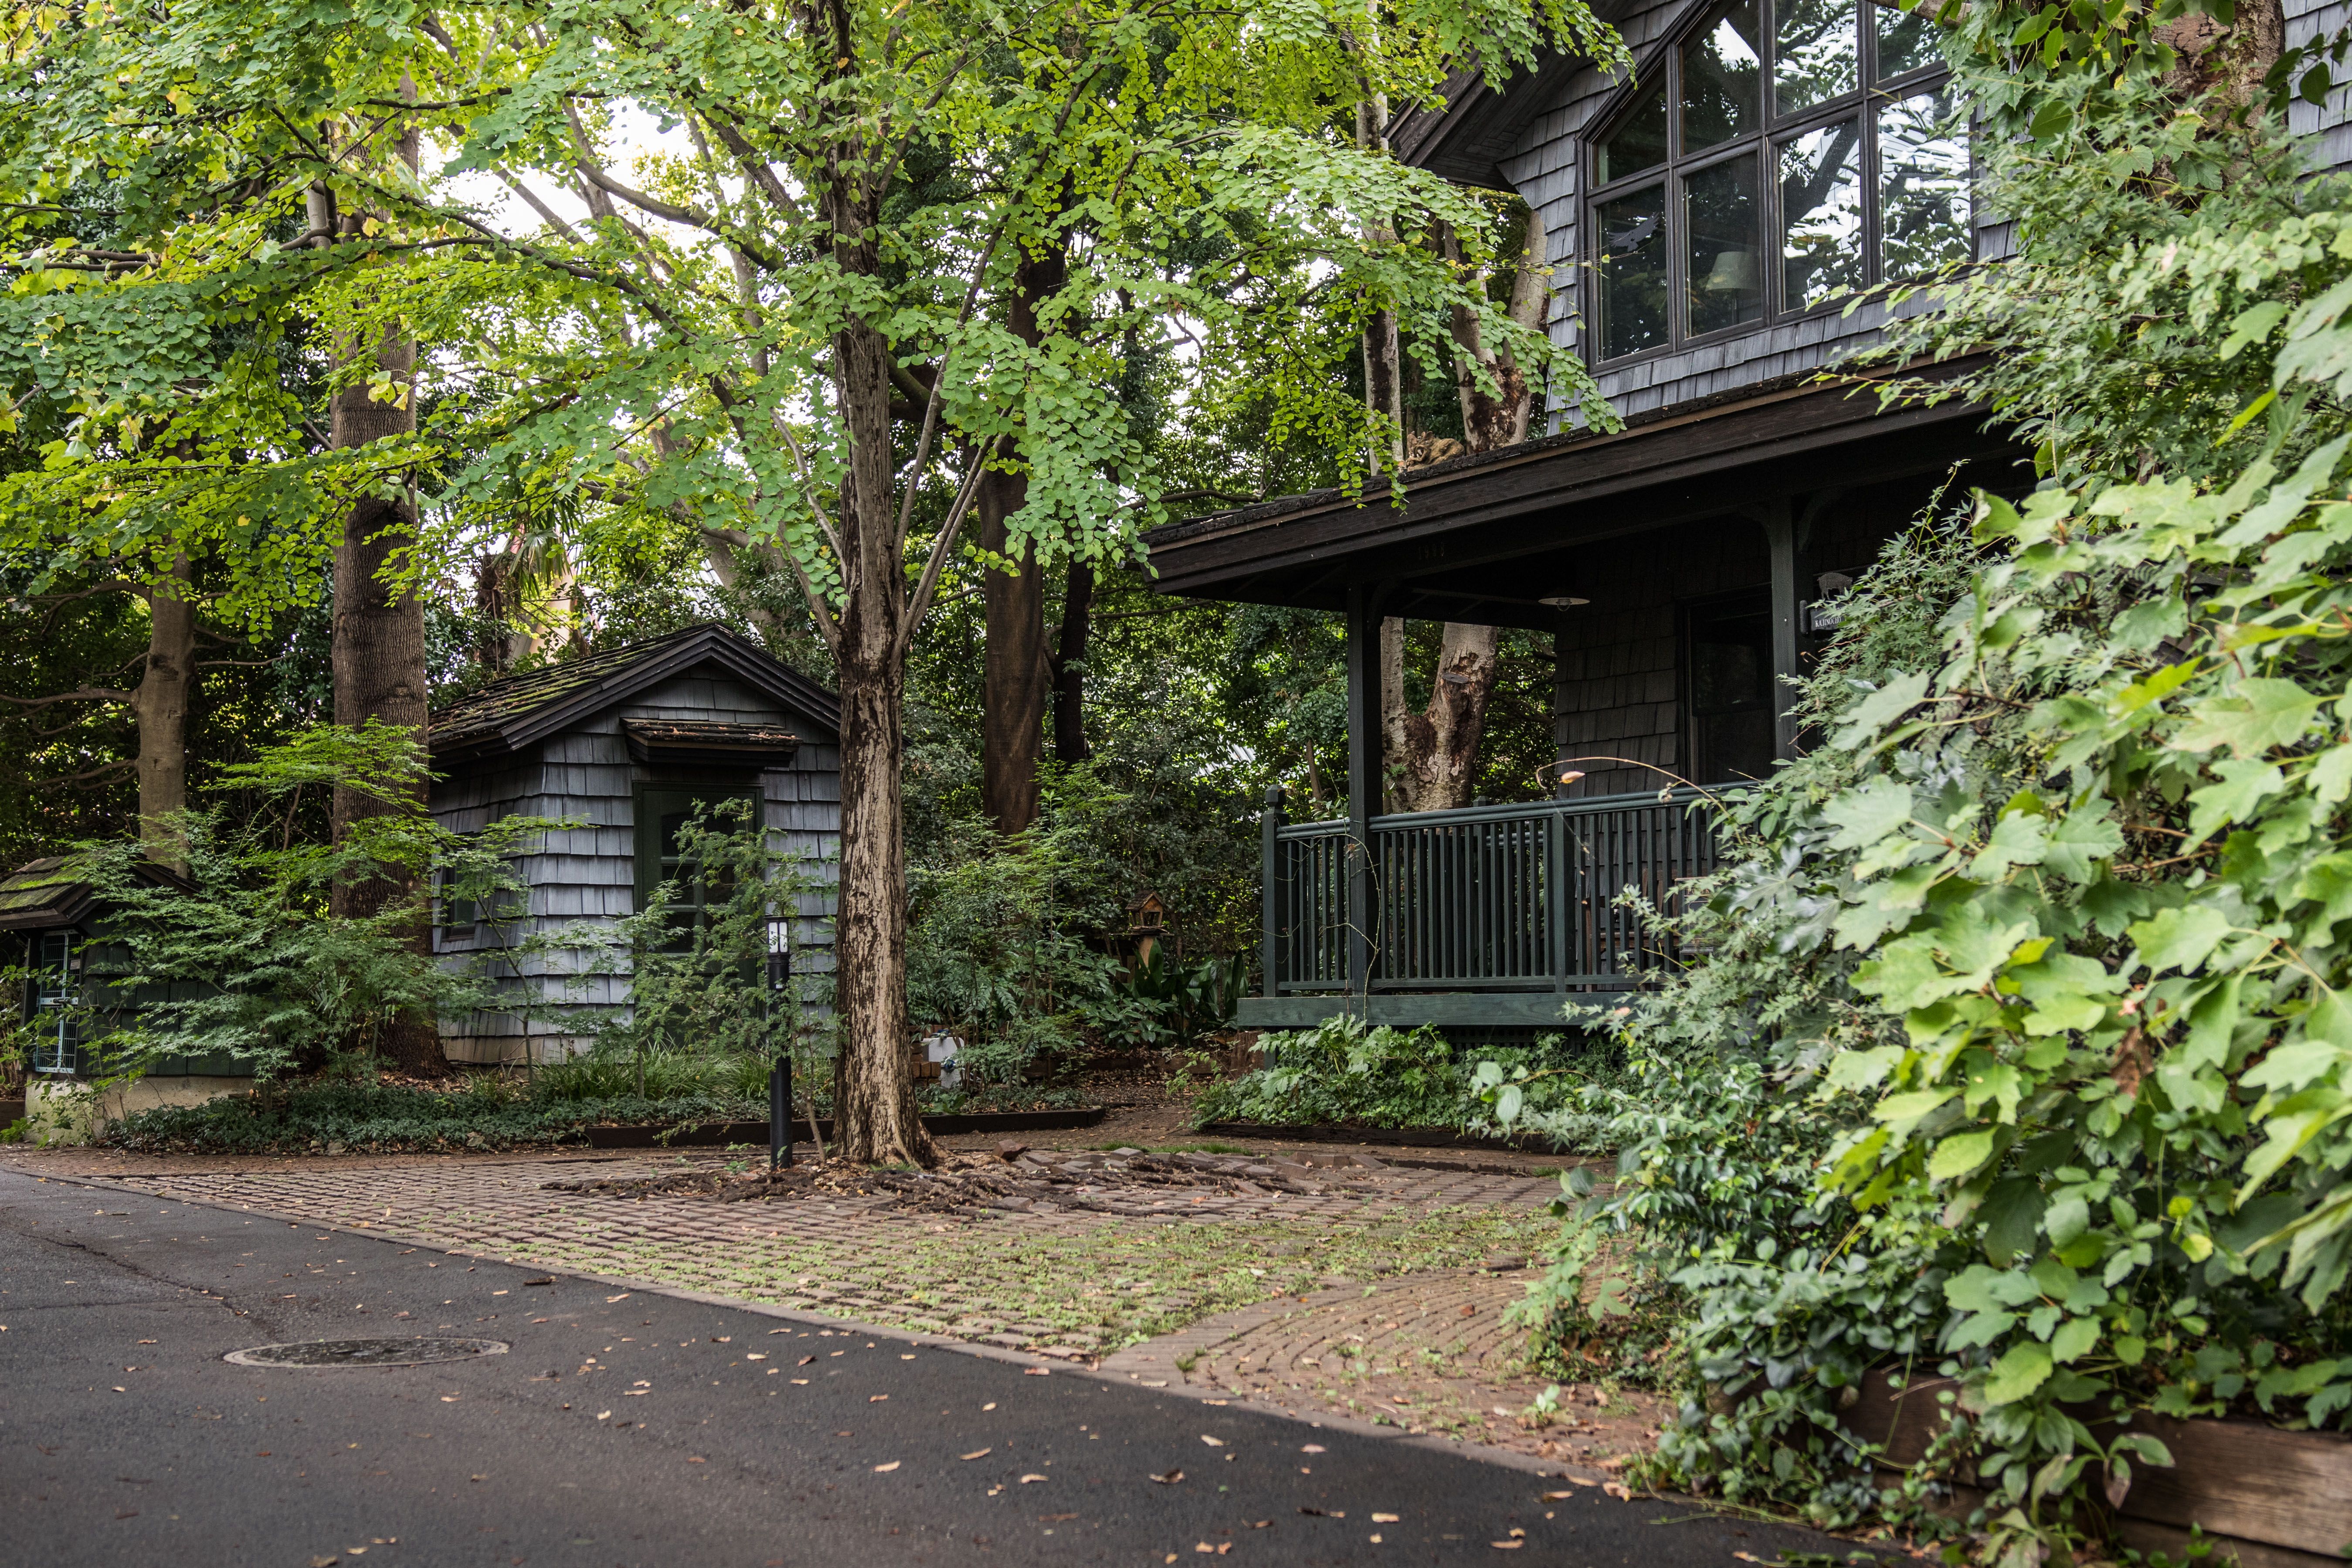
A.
x: 1013, y: 667
x: 875, y: 1118
x: 1017, y: 673
x: 1070, y: 746
x: 160, y: 707
x: 1432, y: 755
x: 378, y: 649
x: 1383, y: 355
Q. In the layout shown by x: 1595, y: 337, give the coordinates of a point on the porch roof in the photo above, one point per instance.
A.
x: 1487, y: 537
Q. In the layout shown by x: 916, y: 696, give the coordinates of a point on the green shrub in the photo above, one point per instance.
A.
x: 490, y: 1113
x: 251, y: 966
x: 1343, y: 1072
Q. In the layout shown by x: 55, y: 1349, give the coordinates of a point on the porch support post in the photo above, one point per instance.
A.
x: 1273, y: 911
x: 1780, y: 535
x: 1364, y: 602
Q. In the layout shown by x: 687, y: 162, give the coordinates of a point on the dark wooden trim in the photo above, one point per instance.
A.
x: 1232, y: 555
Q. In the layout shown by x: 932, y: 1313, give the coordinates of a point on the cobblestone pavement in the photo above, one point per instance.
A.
x: 1423, y: 1352
x: 1077, y: 1285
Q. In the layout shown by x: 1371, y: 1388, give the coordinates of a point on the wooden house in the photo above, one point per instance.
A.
x: 54, y: 929
x: 626, y: 743
x: 1708, y: 222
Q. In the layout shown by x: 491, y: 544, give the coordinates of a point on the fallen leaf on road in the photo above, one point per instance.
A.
x: 877, y: 1399
x: 1506, y: 1546
x: 1617, y: 1490
x: 779, y: 1331
x: 980, y: 1453
x: 478, y: 1477
x: 603, y: 1416
x: 885, y: 1469
x: 1311, y: 1449
x: 1055, y: 1518
x: 1324, y: 1513
x: 807, y: 1359
x: 1261, y: 1524
x: 1214, y: 1551
x: 448, y: 1399
x: 695, y: 1459
x: 801, y: 1380
x: 1386, y: 1518
x: 1026, y: 1479
x: 1170, y: 1478
x: 1036, y: 1372
x: 1748, y: 1557
x: 622, y: 1296
x: 1213, y: 1442
x: 755, y: 1356
x: 324, y: 1561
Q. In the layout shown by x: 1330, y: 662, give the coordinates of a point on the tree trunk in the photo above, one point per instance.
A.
x: 875, y: 1119
x: 1432, y: 755
x: 378, y: 652
x: 1013, y: 667
x: 160, y: 707
x: 1015, y: 671
x: 1384, y: 356
x: 1070, y: 746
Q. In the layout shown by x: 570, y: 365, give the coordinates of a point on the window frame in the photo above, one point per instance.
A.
x: 1772, y: 132
x: 646, y: 833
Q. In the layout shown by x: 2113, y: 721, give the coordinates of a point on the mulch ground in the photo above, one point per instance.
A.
x: 1014, y: 1180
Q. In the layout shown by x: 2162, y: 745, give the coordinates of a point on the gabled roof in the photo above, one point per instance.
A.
x: 43, y: 894
x: 1467, y: 140
x: 524, y: 710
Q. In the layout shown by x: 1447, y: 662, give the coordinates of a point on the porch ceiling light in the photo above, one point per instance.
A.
x: 1563, y: 602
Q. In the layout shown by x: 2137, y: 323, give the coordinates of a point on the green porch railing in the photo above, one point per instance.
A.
x: 1494, y: 898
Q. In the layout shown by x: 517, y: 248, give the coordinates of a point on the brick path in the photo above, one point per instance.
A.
x: 1423, y: 1352
x: 1077, y: 1285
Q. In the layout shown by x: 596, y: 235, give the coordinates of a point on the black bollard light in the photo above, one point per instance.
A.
x: 780, y: 1072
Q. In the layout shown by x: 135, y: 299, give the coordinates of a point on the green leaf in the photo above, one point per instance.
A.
x: 2260, y: 714
x: 2178, y: 939
x: 2011, y: 1216
x: 2022, y: 1368
x: 2082, y: 837
x: 1911, y: 1106
x: 1869, y: 812
x: 2074, y: 1339
x: 1962, y: 1153
x: 2245, y: 785
x: 1861, y: 723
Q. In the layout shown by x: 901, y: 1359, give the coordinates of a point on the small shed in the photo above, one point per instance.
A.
x: 54, y: 929
x: 627, y: 743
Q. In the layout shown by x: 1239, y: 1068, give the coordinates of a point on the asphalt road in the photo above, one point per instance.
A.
x: 631, y: 1429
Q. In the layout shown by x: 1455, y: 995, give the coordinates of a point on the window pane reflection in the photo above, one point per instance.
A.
x: 1723, y: 78
x: 1820, y: 215
x: 1640, y: 143
x: 1907, y: 39
x: 1923, y: 185
x: 1820, y: 48
x: 1633, y: 293
x: 1725, y: 282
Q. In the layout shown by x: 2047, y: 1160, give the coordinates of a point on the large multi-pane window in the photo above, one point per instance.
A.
x: 1789, y: 153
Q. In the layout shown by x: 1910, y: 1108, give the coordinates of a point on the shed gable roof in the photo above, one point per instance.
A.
x: 523, y: 709
x: 43, y: 894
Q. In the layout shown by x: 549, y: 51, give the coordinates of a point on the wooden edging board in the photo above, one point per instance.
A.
x: 2237, y: 1479
x: 1387, y: 1137
x: 710, y: 1134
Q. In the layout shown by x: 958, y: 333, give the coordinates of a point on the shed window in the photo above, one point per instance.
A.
x: 1794, y: 152
x: 51, y: 994
x: 663, y: 811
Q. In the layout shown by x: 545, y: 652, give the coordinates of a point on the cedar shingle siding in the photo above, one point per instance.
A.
x: 583, y: 771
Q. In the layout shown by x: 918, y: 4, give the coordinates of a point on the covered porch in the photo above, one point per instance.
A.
x: 1675, y: 564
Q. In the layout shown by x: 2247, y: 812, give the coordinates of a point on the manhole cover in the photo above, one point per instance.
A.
x: 365, y: 1352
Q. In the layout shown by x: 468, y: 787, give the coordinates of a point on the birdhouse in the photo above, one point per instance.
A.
x: 1146, y: 918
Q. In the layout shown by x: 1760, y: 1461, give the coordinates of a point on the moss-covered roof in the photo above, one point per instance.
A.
x: 518, y: 710
x: 43, y: 894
